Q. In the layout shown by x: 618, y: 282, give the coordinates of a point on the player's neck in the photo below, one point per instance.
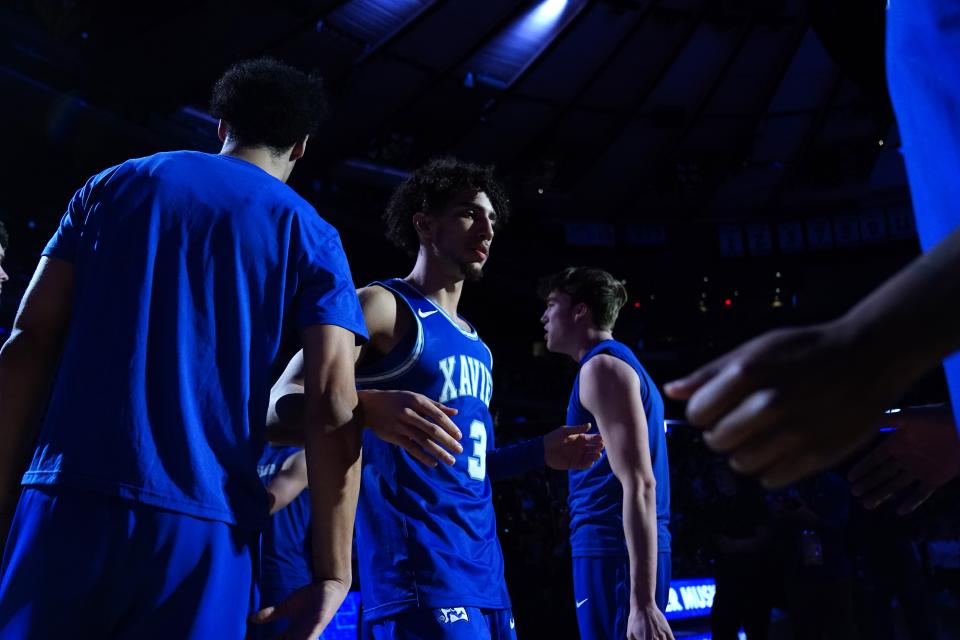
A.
x: 277, y: 166
x: 437, y: 284
x: 591, y: 338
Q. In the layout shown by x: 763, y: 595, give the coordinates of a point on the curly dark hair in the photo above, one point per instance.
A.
x: 603, y: 294
x: 267, y: 103
x: 4, y: 237
x: 430, y: 188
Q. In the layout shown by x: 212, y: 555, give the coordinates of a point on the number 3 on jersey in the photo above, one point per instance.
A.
x: 477, y: 463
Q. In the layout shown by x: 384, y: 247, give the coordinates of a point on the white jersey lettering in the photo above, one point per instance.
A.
x: 447, y: 367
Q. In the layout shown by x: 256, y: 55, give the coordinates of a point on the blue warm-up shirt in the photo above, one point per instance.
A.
x: 188, y: 265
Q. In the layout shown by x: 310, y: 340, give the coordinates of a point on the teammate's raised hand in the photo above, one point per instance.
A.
x: 310, y: 609
x: 567, y: 448
x: 790, y: 402
x: 421, y: 426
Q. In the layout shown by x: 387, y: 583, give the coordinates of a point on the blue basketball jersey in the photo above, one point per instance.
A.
x: 596, y: 496
x: 428, y: 537
x: 285, y: 547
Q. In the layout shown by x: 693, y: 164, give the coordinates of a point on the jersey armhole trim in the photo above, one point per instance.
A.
x: 411, y: 358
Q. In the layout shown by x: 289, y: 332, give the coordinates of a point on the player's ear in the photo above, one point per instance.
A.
x: 423, y: 224
x: 580, y: 311
x: 299, y: 149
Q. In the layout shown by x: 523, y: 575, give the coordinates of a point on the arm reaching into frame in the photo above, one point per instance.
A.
x: 796, y: 401
x: 563, y: 449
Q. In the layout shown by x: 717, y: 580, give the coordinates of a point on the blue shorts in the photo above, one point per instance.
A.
x: 601, y: 590
x: 453, y: 623
x: 83, y: 565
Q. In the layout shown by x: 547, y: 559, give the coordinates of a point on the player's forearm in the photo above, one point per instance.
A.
x: 640, y: 530
x: 333, y: 469
x: 27, y: 363
x: 913, y: 319
x: 286, y: 416
x: 515, y: 459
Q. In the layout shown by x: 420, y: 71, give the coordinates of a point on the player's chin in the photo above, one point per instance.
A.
x: 472, y: 271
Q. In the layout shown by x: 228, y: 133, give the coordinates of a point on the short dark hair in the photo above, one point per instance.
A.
x: 603, y: 294
x: 430, y: 188
x: 267, y: 103
x: 4, y: 237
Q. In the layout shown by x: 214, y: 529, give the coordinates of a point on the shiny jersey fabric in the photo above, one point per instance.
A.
x: 596, y: 496
x: 428, y: 537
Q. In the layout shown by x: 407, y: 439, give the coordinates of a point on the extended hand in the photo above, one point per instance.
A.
x: 648, y: 623
x: 923, y: 453
x: 791, y: 402
x: 571, y: 448
x: 310, y: 610
x: 414, y: 422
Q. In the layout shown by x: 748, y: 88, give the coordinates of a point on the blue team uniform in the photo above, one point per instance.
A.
x: 187, y: 266
x: 923, y: 70
x: 285, y: 551
x: 600, y: 566
x: 430, y: 561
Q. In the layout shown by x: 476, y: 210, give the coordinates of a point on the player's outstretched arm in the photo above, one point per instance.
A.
x: 796, y: 401
x: 610, y: 390
x: 567, y: 447
x: 27, y: 363
x: 922, y: 455
x: 563, y: 449
x: 409, y: 420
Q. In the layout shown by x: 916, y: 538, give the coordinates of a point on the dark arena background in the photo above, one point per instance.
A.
x: 735, y: 161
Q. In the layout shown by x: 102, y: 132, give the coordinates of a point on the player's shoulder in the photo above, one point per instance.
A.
x: 376, y: 296
x: 607, y: 370
x: 382, y: 312
x: 605, y: 363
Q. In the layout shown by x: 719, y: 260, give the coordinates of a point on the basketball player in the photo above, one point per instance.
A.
x: 619, y: 507
x: 156, y: 313
x: 430, y: 562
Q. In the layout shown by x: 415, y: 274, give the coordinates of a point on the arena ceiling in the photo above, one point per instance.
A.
x: 698, y: 147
